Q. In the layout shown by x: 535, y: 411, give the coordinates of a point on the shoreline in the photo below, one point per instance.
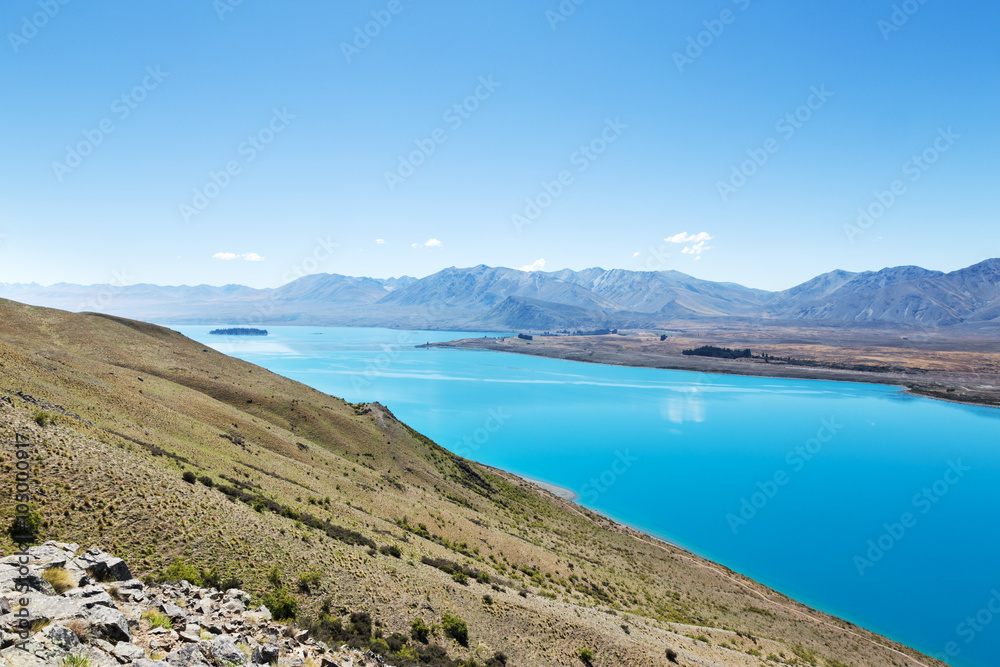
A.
x: 937, y: 385
x: 558, y: 491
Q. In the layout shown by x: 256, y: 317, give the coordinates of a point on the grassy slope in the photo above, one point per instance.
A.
x: 152, y: 395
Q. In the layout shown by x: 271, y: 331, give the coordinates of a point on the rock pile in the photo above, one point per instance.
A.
x: 102, y: 616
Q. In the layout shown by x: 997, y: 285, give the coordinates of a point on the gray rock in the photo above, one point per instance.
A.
x: 234, y: 607
x: 175, y: 613
x: 128, y: 652
x: 60, y: 636
x: 192, y: 637
x: 10, y: 578
x: 109, y: 624
x: 145, y: 662
x: 265, y: 654
x: 90, y: 596
x: 103, y: 567
x: 237, y: 594
x: 131, y: 584
x: 4, y: 606
x: 188, y: 654
x: 224, y: 649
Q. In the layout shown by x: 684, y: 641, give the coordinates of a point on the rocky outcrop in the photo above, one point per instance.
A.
x: 113, y: 619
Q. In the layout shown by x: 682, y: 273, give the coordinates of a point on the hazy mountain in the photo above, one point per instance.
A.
x: 905, y: 294
x: 497, y: 298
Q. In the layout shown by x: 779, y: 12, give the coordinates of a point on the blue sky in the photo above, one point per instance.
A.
x: 252, y: 142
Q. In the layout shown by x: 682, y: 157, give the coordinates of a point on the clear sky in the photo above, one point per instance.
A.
x: 194, y: 141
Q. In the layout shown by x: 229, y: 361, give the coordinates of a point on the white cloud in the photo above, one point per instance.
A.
x: 537, y: 265
x: 636, y: 253
x: 684, y: 237
x: 380, y: 241
x: 697, y: 242
x: 429, y: 243
x: 247, y: 256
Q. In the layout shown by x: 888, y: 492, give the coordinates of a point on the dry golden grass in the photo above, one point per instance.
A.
x: 59, y: 578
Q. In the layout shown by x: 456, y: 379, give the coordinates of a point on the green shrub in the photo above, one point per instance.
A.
x: 499, y: 659
x: 189, y: 477
x: 460, y: 577
x: 391, y: 550
x: 672, y: 655
x: 455, y: 628
x: 158, y: 619
x: 282, y: 604
x: 419, y: 630
x: 25, y: 527
x: 43, y: 418
x: 586, y: 655
x: 274, y: 576
x: 207, y: 481
x: 309, y: 581
x: 179, y: 570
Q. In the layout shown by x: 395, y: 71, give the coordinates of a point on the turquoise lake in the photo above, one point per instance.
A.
x: 856, y: 499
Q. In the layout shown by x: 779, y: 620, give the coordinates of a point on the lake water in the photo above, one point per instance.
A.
x: 872, y: 505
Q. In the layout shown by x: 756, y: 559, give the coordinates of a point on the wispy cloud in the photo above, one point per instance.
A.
x: 429, y: 243
x: 379, y: 241
x: 684, y: 237
x: 246, y: 256
x: 697, y: 243
x: 537, y: 265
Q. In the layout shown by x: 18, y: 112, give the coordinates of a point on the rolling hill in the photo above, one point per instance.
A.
x: 180, y: 459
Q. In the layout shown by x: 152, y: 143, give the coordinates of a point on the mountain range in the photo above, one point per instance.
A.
x: 502, y: 299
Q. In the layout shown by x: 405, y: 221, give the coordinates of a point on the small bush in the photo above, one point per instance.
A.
x: 499, y: 659
x: 309, y: 581
x: 59, y: 578
x: 419, y: 630
x: 487, y: 599
x: 455, y: 628
x: 207, y: 481
x: 179, y: 570
x: 158, y: 619
x: 25, y: 527
x: 586, y: 656
x: 391, y: 550
x: 43, y: 418
x: 671, y: 655
x: 76, y: 660
x: 189, y: 477
x: 282, y: 604
x: 460, y: 577
x: 274, y: 576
